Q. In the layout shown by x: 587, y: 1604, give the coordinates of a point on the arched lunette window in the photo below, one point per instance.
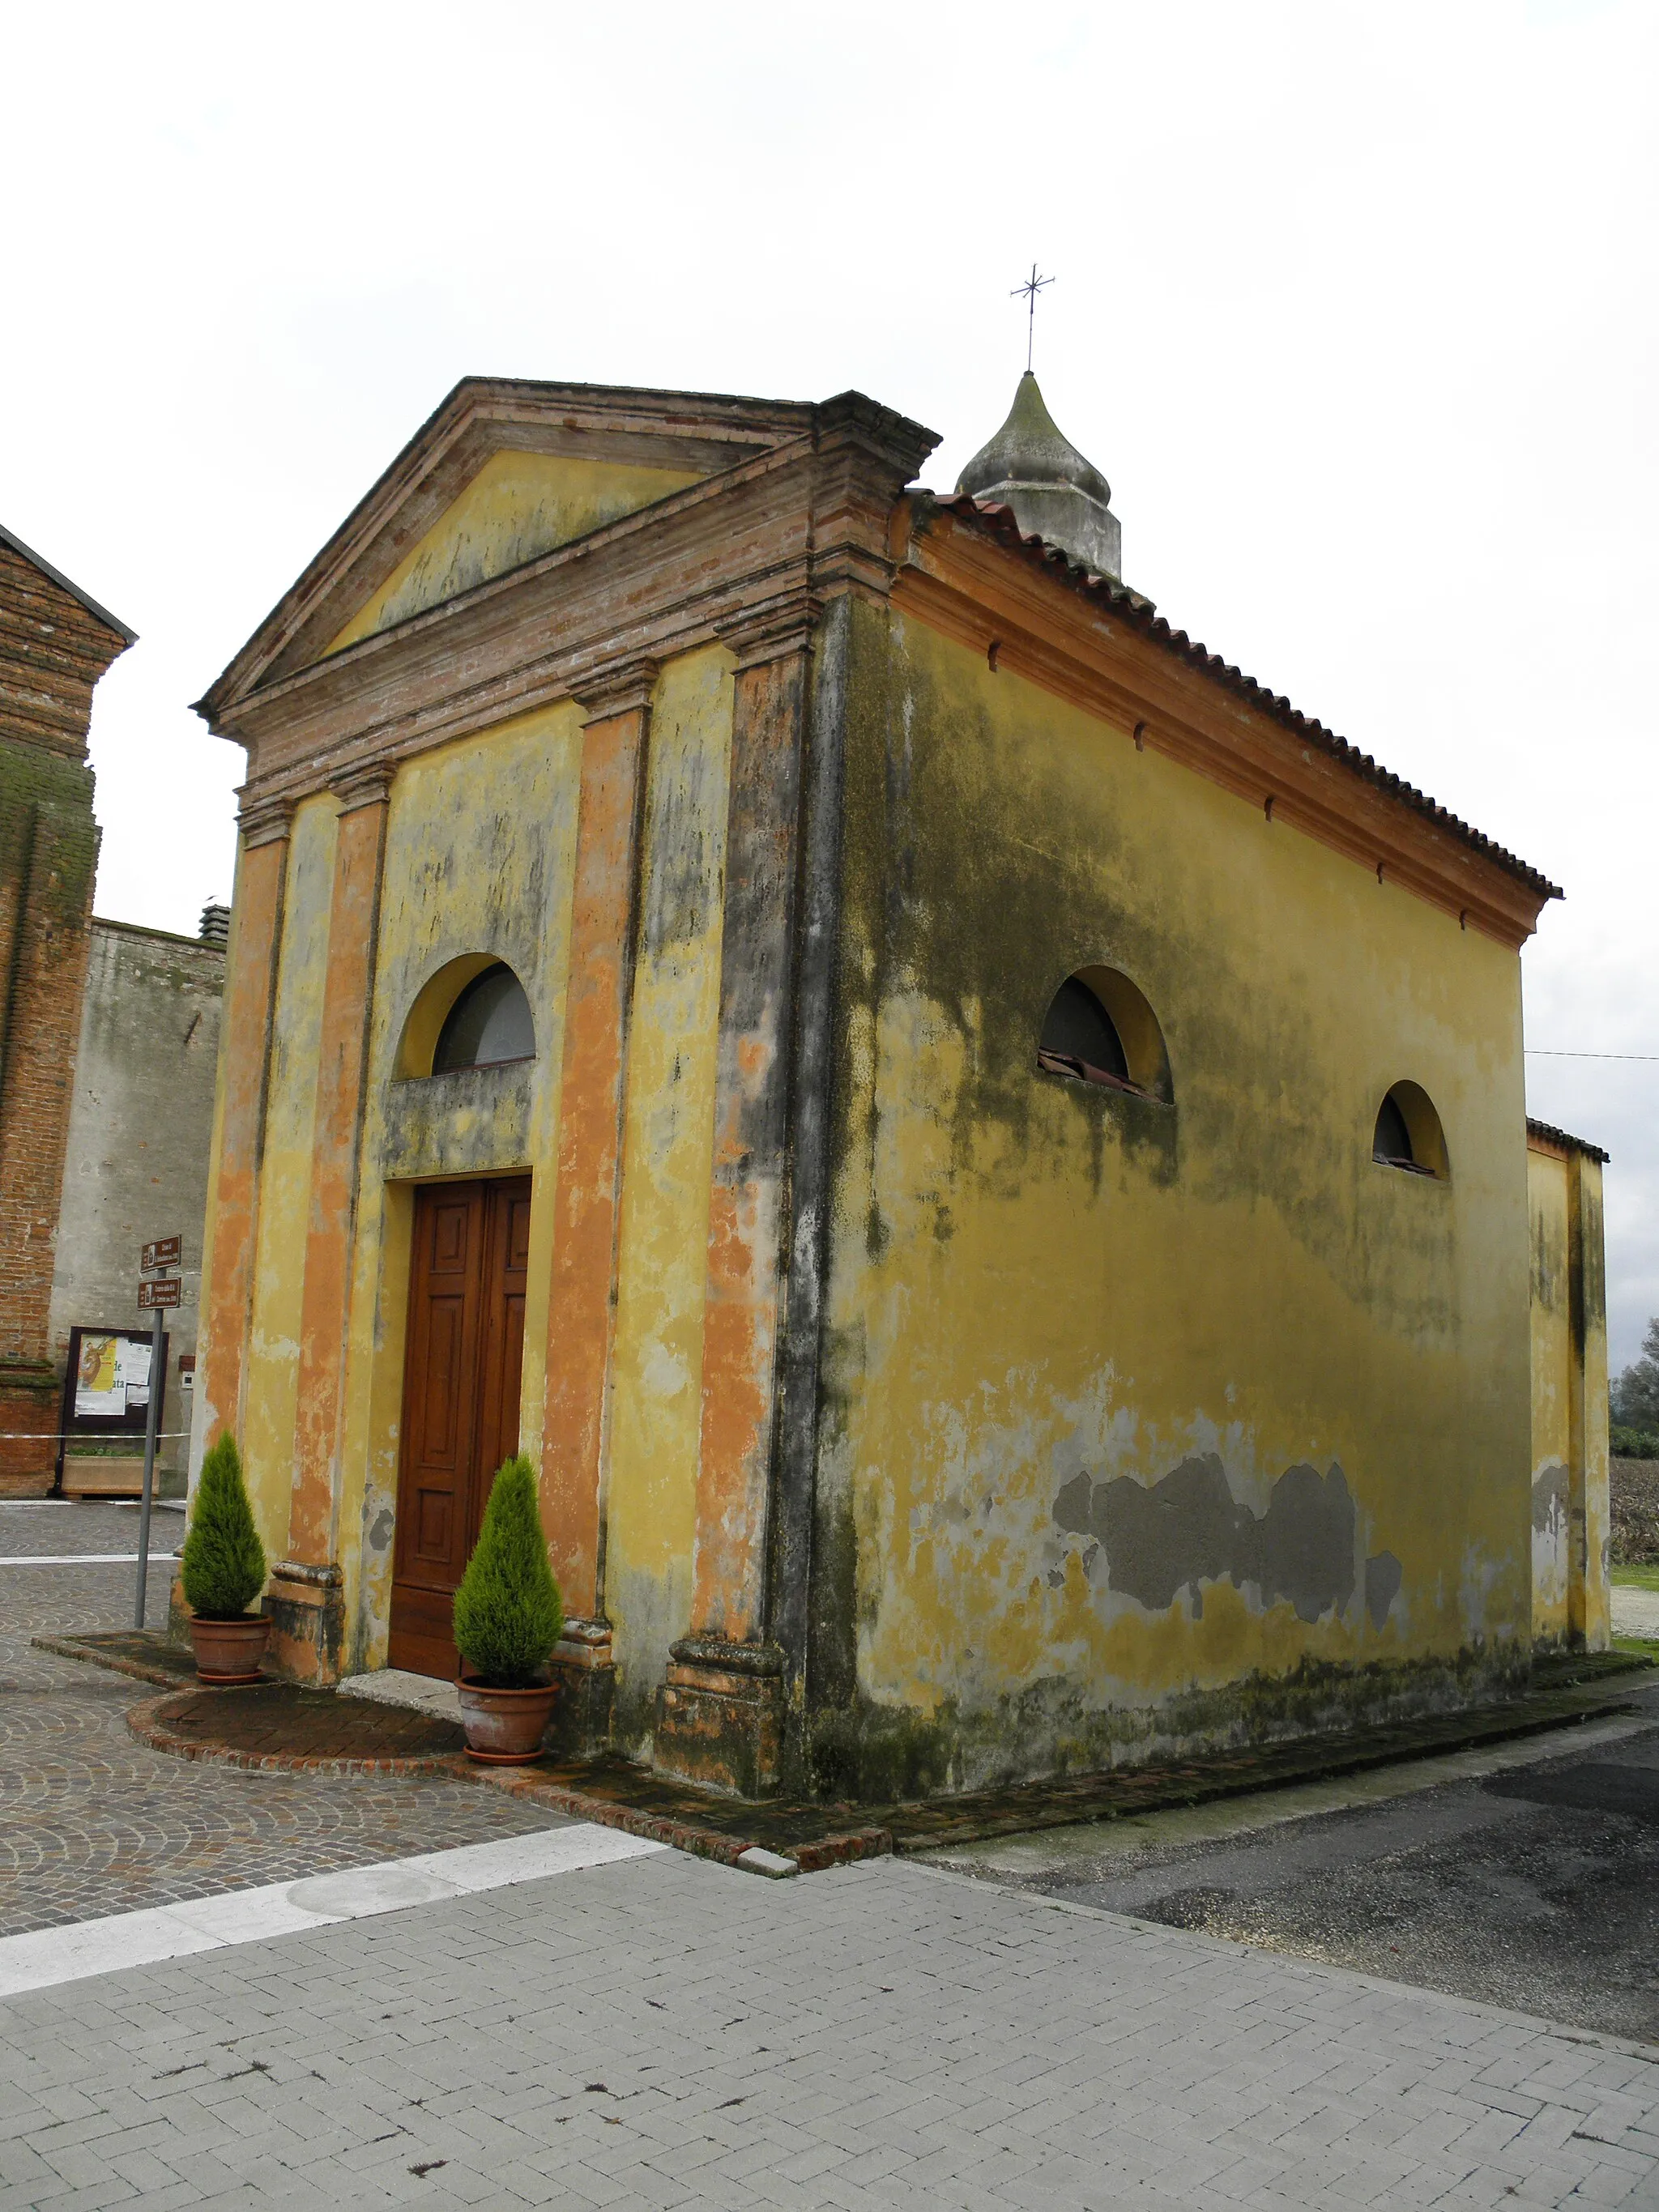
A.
x: 1408, y: 1134
x: 1099, y: 1028
x: 488, y: 1023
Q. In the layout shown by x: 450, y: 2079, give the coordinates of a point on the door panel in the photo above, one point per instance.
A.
x: 506, y: 1267
x: 463, y: 1366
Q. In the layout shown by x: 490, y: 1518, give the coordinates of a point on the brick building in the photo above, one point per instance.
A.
x: 55, y: 643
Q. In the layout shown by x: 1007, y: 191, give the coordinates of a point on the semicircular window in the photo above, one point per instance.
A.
x: 1408, y: 1134
x: 1079, y: 1032
x: 487, y: 1023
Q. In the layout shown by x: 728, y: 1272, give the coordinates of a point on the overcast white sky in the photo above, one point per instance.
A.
x: 1355, y: 306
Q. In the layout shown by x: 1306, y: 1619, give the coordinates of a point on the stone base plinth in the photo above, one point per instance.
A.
x: 583, y: 1668
x: 720, y: 1717
x: 306, y: 1605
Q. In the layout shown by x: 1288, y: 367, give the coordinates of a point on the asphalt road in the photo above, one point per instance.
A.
x: 1526, y: 1876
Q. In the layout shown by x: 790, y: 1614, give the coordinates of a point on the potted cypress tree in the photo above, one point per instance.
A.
x: 507, y: 1617
x: 222, y: 1569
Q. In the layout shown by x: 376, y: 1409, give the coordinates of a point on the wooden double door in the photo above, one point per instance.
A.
x: 463, y: 1355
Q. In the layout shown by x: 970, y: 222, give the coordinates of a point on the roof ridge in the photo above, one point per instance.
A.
x: 1143, y: 613
x: 35, y: 560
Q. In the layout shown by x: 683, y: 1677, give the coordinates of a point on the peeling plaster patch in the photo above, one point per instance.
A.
x: 1383, y: 1575
x: 1549, y: 1498
x: 380, y: 1535
x: 1188, y: 1528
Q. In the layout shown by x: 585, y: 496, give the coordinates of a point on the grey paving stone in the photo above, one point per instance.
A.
x: 92, y: 1823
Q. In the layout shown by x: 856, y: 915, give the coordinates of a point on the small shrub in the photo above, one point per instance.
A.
x: 222, y: 1566
x: 1631, y: 1443
x: 508, y: 1609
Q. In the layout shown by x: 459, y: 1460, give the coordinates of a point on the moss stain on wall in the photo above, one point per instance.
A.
x: 1036, y: 1283
x: 668, y: 1150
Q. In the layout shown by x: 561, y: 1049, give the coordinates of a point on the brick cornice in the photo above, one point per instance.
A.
x: 365, y: 784
x: 1029, y: 624
x: 264, y: 821
x: 616, y: 687
x: 773, y: 630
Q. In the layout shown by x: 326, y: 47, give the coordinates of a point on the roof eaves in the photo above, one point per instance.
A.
x: 100, y: 614
x: 1000, y: 521
x: 1555, y: 1136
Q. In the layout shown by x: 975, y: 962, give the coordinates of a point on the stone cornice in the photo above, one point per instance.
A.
x: 483, y: 415
x: 773, y: 631
x: 264, y: 821
x: 739, y: 559
x: 1027, y: 623
x: 616, y: 687
x: 717, y: 435
x: 363, y: 785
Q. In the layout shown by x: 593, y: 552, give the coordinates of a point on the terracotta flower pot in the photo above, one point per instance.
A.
x: 504, y: 1726
x: 230, y: 1651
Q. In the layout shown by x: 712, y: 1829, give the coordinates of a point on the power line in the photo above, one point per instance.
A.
x: 1545, y: 1052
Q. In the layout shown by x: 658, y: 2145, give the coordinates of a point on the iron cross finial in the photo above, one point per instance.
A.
x: 1030, y: 287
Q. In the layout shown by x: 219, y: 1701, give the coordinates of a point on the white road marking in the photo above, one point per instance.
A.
x: 81, y: 1558
x: 46, y: 1956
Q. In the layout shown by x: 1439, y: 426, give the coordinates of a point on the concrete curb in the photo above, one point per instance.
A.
x: 149, y: 1722
x: 70, y: 1647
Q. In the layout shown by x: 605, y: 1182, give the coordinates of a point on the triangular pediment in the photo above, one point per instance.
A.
x: 502, y: 474
x: 518, y: 506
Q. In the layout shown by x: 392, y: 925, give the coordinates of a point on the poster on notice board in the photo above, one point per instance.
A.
x: 112, y: 1376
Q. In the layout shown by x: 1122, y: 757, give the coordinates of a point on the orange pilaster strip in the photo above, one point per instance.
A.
x: 744, y: 1297
x: 250, y: 990
x: 347, y: 992
x: 581, y: 1302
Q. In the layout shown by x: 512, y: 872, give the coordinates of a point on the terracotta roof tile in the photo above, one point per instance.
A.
x: 1000, y: 521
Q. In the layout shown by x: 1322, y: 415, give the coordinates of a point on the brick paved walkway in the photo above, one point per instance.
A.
x: 668, y: 2032
x: 91, y: 1822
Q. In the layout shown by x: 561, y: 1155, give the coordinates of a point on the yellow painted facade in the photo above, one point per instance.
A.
x: 650, y: 1516
x: 518, y: 506
x: 1036, y: 1281
x: 285, y: 1172
x: 1572, y: 1585
x: 1021, y: 1422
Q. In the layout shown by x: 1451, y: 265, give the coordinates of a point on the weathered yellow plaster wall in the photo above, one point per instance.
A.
x: 668, y: 1149
x: 1048, y: 1299
x: 518, y: 506
x: 1551, y: 1410
x: 480, y: 843
x: 1597, y: 1606
x: 285, y: 1171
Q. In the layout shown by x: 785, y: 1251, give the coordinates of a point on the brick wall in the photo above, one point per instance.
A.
x: 52, y: 651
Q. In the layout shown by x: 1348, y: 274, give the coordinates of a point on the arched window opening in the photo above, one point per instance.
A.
x: 488, y: 1023
x: 1392, y: 1143
x: 1099, y: 1028
x: 1079, y: 1034
x: 1408, y: 1135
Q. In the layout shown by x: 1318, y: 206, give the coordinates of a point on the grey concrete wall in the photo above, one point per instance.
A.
x: 141, y: 1125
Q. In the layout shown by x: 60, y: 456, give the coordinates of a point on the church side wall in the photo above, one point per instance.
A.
x: 140, y: 1129
x: 1148, y: 1424
x: 1552, y: 1408
x: 1571, y: 1596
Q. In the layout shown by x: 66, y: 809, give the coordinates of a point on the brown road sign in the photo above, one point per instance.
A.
x: 166, y: 1293
x: 163, y: 1253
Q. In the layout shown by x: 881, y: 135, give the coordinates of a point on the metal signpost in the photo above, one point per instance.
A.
x: 153, y: 1298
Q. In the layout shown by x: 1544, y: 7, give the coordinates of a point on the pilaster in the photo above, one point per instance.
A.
x: 307, y: 1599
x: 243, y: 1068
x: 582, y: 1293
x: 720, y: 1715
x: 1590, y: 1621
